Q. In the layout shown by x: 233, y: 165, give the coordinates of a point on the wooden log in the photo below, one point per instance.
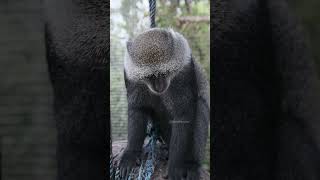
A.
x: 160, y: 169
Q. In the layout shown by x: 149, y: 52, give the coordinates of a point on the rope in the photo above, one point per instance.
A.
x: 153, y: 9
x: 147, y: 167
x: 146, y: 170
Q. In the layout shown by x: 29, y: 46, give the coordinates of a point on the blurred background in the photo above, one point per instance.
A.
x: 27, y: 130
x: 308, y: 13
x: 130, y: 18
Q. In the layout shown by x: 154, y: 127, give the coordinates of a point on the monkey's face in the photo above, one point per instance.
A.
x: 155, y: 57
x: 157, y: 84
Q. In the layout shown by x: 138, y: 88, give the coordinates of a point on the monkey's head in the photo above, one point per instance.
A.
x: 155, y: 57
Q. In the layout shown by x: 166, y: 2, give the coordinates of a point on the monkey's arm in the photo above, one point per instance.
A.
x: 137, y: 124
x: 181, y: 154
x: 138, y: 115
x: 202, y: 114
x: 299, y: 133
x: 201, y: 128
x: 187, y: 143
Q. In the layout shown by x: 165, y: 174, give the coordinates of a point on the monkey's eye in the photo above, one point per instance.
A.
x: 152, y: 76
x: 155, y: 76
x: 162, y: 74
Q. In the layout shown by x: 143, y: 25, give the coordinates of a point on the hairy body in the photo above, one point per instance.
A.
x: 266, y: 96
x: 77, y: 40
x: 174, y: 97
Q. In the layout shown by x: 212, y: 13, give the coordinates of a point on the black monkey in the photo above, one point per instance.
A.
x: 167, y: 86
x: 77, y: 40
x: 266, y: 122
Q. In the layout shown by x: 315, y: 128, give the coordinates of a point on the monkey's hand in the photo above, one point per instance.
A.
x: 128, y: 161
x: 187, y: 172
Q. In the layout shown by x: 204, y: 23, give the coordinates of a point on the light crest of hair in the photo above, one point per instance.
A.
x: 179, y: 57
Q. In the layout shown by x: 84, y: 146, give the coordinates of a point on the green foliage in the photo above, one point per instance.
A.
x: 197, y: 33
x: 308, y: 14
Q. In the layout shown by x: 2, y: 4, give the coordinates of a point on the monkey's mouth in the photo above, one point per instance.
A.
x: 158, y: 85
x: 158, y: 91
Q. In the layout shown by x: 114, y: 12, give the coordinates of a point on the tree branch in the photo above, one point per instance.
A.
x: 193, y: 19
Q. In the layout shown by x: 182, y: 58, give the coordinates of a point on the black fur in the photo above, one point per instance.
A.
x: 77, y: 40
x: 185, y: 100
x: 266, y: 121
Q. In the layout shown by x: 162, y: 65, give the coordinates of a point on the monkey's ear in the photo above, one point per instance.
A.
x: 129, y: 46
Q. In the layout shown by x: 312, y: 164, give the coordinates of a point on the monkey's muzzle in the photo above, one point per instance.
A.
x: 158, y: 85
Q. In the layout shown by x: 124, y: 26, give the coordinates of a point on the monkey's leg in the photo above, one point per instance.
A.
x: 137, y: 124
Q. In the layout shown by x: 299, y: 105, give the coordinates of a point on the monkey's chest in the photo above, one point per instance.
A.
x: 160, y: 119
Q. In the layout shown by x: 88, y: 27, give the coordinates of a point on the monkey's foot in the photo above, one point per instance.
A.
x: 187, y: 172
x: 128, y: 161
